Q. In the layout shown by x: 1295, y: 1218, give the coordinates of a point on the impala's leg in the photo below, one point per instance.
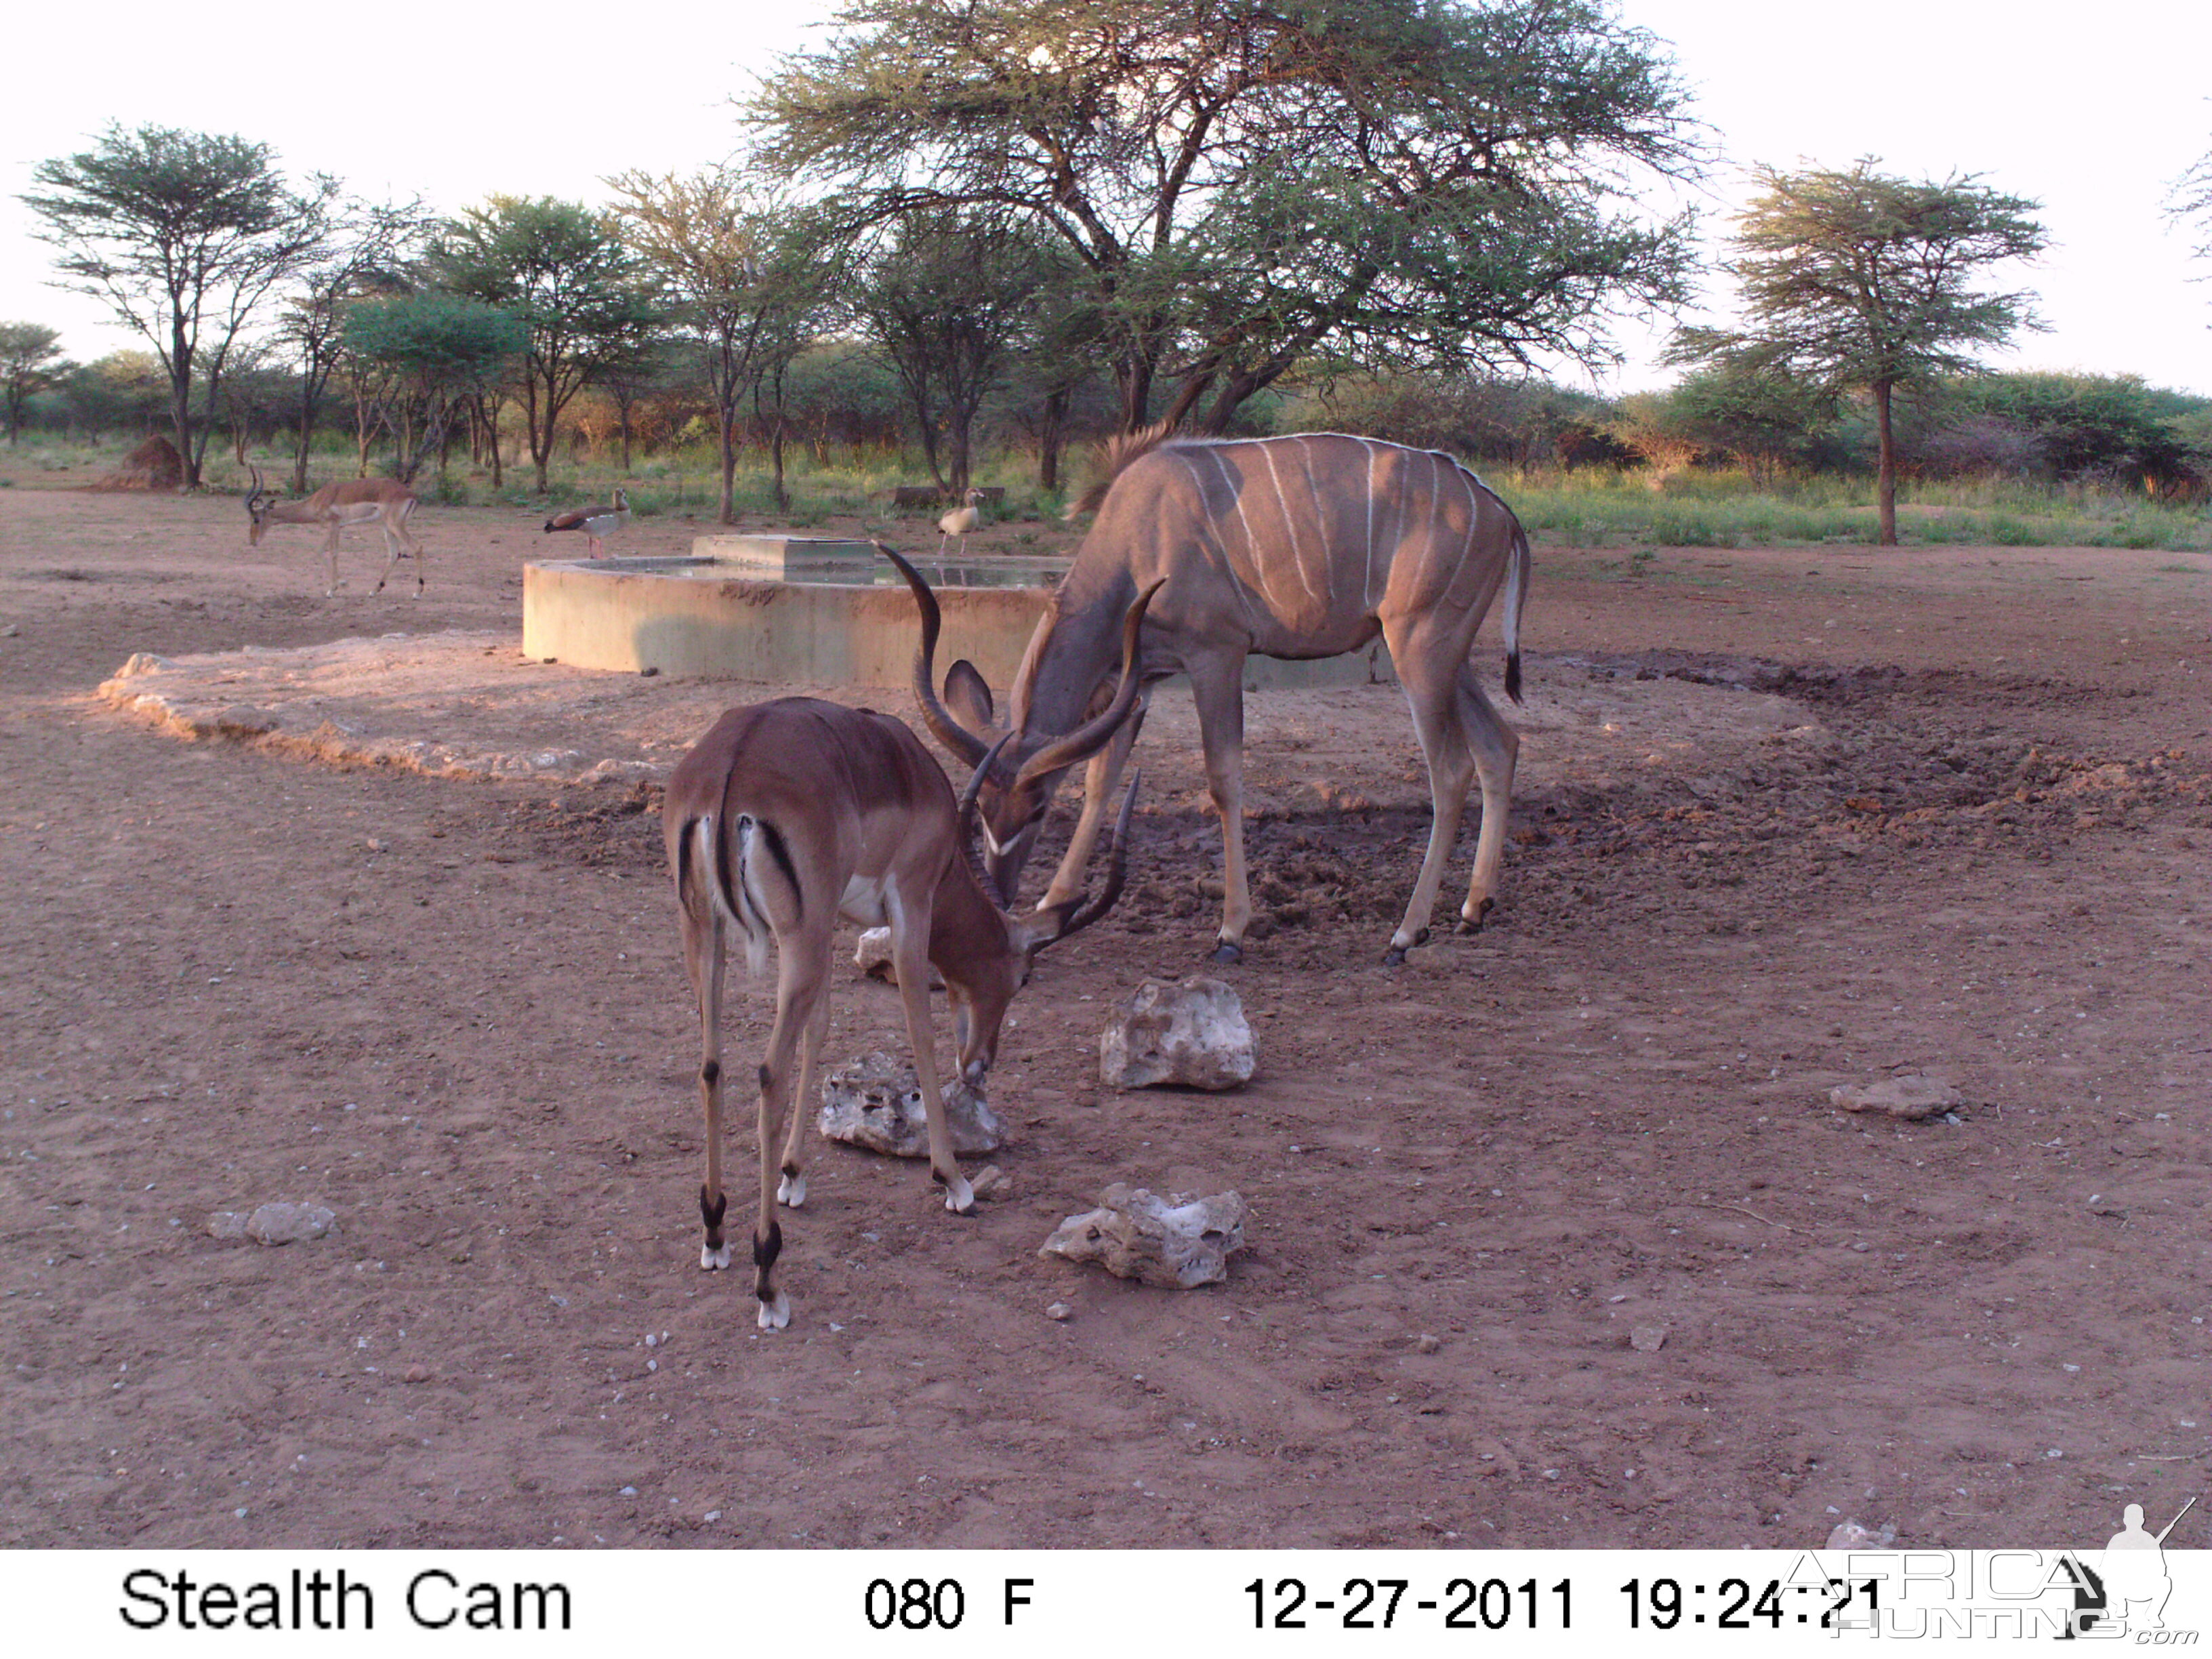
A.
x: 391, y: 553
x: 1497, y: 746
x: 1217, y: 686
x: 331, y: 547
x: 910, y: 956
x: 802, y: 985
x: 1430, y: 671
x: 702, y: 960
x: 1100, y: 779
x: 792, y: 1191
x: 415, y: 547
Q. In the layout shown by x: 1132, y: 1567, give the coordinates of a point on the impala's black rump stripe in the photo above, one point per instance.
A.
x: 781, y: 854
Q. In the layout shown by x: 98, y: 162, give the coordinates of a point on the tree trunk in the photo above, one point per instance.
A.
x: 1048, y: 439
x: 726, y: 512
x: 1885, y: 484
x: 180, y: 400
x: 300, y: 455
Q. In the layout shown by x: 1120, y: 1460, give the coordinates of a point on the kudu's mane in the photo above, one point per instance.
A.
x: 1115, y: 457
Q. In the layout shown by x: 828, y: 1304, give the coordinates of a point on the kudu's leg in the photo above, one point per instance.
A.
x: 1100, y: 777
x: 1218, y: 689
x: 791, y: 1192
x: 802, y: 985
x: 1497, y: 746
x: 910, y: 959
x: 702, y: 960
x: 1430, y: 674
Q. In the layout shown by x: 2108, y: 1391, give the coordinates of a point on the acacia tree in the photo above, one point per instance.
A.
x: 366, y: 254
x: 1856, y: 282
x: 563, y: 271
x: 1245, y: 183
x: 745, y: 277
x: 184, y: 236
x: 433, y: 353
x: 2191, y: 199
x: 31, y: 361
x: 945, y: 301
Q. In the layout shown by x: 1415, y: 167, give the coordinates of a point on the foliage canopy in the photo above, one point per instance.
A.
x: 1248, y: 183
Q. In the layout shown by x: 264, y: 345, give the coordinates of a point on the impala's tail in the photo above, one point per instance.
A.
x: 1517, y: 591
x: 734, y: 884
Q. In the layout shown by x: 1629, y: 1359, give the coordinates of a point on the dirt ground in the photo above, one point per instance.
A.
x: 1789, y: 819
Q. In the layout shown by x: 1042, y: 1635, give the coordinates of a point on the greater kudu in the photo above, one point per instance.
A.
x: 1298, y: 547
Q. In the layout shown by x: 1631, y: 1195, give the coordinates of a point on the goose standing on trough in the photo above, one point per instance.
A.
x: 960, y: 521
x: 595, y: 522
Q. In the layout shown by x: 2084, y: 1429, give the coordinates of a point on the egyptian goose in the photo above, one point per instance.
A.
x: 594, y: 521
x: 960, y: 521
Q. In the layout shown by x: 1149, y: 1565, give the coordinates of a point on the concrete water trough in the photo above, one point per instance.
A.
x: 814, y: 608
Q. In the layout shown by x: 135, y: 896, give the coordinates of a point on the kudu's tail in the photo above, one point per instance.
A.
x: 1517, y: 591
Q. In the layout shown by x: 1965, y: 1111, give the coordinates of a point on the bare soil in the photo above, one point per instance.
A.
x: 1789, y: 819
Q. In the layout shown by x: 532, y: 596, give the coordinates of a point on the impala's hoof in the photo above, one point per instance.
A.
x: 959, y: 1196
x: 713, y: 1258
x: 791, y: 1191
x: 774, y: 1313
x: 1473, y: 924
x: 1228, y: 950
x: 1395, y: 956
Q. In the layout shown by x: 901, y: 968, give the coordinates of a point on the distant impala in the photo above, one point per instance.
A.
x: 1298, y: 547
x: 384, y: 502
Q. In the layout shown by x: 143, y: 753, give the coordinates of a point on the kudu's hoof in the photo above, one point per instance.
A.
x: 1227, y: 950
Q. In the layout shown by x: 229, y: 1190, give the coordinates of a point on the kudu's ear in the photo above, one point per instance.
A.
x: 967, y: 697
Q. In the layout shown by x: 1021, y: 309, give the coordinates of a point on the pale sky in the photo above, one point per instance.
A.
x: 2092, y: 112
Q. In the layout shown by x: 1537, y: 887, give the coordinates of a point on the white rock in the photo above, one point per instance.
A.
x: 1177, y: 1244
x: 289, y: 1223
x: 1193, y: 1034
x: 1914, y: 1094
x: 873, y: 957
x: 876, y: 1102
x: 1851, y: 1535
x: 1647, y: 1338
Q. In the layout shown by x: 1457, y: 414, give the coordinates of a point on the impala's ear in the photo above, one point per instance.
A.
x: 969, y: 698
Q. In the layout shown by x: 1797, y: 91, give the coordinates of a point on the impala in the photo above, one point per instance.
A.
x: 1298, y: 547
x: 788, y: 815
x: 383, y: 503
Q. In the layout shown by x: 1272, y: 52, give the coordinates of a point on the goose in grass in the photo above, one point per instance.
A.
x: 595, y: 522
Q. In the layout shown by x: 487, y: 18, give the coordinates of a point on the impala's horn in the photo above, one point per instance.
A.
x: 1075, y: 915
x: 966, y: 821
x: 956, y: 738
